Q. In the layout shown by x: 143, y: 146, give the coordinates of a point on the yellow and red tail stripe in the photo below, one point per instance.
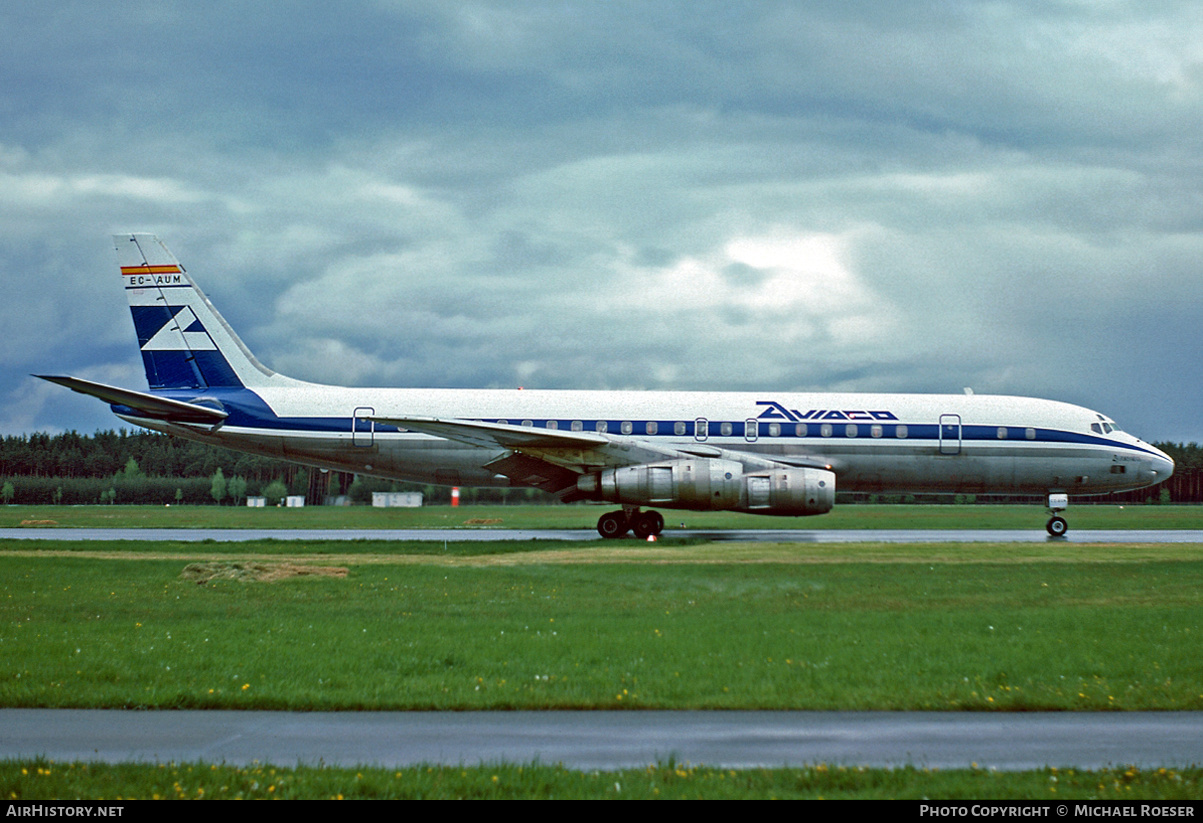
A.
x: 172, y: 269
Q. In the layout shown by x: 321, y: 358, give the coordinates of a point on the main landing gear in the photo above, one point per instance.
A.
x: 643, y: 524
x: 1056, y: 525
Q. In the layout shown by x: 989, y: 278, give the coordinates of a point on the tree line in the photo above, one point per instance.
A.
x: 147, y: 467
x: 104, y: 454
x: 120, y: 466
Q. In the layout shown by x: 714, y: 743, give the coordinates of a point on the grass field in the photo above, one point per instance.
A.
x: 601, y: 624
x: 41, y: 779
x: 549, y: 625
x: 860, y: 516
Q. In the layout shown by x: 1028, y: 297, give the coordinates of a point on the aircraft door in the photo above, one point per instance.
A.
x: 363, y: 432
x: 701, y: 429
x: 950, y: 434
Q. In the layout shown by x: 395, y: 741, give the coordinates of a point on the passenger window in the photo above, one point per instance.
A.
x: 627, y: 427
x: 900, y: 432
x: 602, y: 426
x: 1002, y: 432
x: 725, y: 429
x: 552, y: 424
x: 1030, y: 434
x: 652, y: 427
x: 678, y: 428
x: 577, y: 426
x: 825, y: 430
x: 528, y: 422
x: 875, y: 431
x: 800, y: 430
x: 850, y: 430
x: 774, y: 429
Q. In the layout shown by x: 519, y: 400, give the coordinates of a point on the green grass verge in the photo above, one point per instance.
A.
x: 43, y: 779
x: 585, y: 517
x: 544, y: 625
x: 669, y: 549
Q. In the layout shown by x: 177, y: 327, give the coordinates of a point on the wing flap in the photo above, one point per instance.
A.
x: 531, y: 471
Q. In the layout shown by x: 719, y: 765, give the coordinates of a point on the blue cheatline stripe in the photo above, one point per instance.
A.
x: 812, y: 431
x: 248, y: 410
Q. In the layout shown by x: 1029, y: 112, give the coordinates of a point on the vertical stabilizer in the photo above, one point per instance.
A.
x: 185, y: 343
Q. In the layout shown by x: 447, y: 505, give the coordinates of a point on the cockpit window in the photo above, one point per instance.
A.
x: 1097, y: 428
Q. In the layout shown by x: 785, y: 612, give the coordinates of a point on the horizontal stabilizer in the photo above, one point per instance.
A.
x: 143, y: 404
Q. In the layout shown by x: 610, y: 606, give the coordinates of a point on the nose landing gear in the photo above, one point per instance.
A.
x: 1057, y: 525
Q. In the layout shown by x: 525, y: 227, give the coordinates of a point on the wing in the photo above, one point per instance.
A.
x: 142, y: 404
x: 552, y: 459
x: 495, y: 435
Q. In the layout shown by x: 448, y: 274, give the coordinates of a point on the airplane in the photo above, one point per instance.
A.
x: 773, y: 453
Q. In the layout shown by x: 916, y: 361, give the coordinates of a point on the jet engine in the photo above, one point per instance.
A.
x: 712, y: 484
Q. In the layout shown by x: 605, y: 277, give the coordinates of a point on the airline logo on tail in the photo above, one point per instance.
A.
x: 179, y: 332
x: 183, y: 332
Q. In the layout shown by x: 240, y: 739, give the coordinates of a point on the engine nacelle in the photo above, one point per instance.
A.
x: 795, y: 492
x: 707, y: 484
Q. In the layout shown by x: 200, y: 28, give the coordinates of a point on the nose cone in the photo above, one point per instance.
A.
x: 1162, y: 466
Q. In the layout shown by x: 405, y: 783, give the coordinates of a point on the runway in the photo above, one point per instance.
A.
x: 612, y: 740
x: 724, y: 535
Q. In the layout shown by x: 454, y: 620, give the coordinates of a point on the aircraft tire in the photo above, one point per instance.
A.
x: 648, y: 524
x: 612, y: 525
x: 1057, y: 526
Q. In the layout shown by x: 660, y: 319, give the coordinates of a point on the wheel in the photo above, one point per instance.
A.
x: 647, y: 524
x: 611, y: 525
x: 1057, y: 526
x: 658, y: 520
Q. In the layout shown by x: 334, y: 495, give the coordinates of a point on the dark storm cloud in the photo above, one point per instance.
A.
x: 705, y: 195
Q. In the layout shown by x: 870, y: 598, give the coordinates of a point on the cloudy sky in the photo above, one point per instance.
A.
x: 863, y: 196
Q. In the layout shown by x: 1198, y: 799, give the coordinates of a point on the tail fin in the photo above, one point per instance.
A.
x: 185, y: 343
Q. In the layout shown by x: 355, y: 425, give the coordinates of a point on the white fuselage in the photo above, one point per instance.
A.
x: 891, y: 443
